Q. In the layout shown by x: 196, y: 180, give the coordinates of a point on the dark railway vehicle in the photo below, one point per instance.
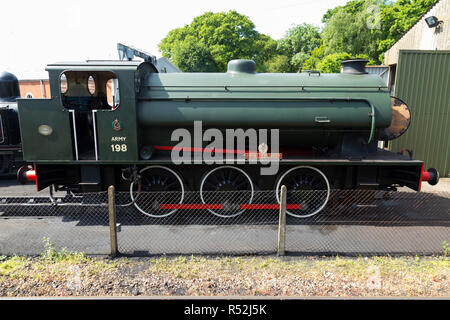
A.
x: 119, y: 132
x: 10, y: 144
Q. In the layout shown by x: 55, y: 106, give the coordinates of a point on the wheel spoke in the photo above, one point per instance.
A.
x: 155, y: 181
x: 306, y: 186
x: 226, y: 179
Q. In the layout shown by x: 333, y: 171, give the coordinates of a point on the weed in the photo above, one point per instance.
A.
x: 445, y: 249
x: 11, y: 265
x: 52, y: 254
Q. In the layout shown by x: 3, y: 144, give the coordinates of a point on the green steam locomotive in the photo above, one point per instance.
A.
x: 123, y: 123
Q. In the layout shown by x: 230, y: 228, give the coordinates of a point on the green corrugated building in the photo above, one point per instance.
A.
x: 420, y: 75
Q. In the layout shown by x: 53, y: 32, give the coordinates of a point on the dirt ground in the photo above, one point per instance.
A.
x: 442, y: 186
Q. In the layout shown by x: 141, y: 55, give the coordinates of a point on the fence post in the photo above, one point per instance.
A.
x: 112, y: 220
x: 282, y: 223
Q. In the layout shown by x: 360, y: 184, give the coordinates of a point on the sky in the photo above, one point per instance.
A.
x: 36, y: 33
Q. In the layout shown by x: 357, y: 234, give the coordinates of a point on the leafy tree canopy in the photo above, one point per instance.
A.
x: 350, y: 7
x: 316, y: 57
x: 218, y: 38
x: 370, y: 26
x: 332, y: 62
x: 301, y: 38
x: 278, y: 64
x: 193, y: 56
x: 353, y: 28
x: 397, y: 18
x: 360, y: 28
x: 298, y: 43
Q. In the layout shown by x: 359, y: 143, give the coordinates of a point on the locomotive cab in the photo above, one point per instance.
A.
x: 84, y: 93
x: 82, y: 123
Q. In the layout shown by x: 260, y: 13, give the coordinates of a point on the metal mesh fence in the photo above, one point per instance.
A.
x: 349, y: 222
x: 77, y: 223
x: 374, y: 222
x: 218, y: 222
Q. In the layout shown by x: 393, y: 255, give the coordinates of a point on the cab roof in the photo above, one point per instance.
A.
x: 96, y: 63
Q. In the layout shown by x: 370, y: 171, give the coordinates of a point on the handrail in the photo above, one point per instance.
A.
x: 372, y: 127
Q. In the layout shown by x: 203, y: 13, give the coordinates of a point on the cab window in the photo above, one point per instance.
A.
x: 112, y: 93
x: 89, y: 90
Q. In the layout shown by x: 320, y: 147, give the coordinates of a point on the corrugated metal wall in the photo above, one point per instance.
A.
x: 423, y: 82
x: 382, y: 71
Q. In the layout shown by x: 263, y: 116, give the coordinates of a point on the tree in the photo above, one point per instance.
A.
x: 397, y: 18
x: 332, y: 62
x: 352, y: 7
x: 348, y: 29
x: 278, y: 64
x: 267, y: 48
x: 316, y: 56
x: 300, y: 38
x: 192, y: 56
x: 298, y: 60
x: 370, y: 26
x: 298, y: 43
x: 364, y: 28
x: 218, y: 36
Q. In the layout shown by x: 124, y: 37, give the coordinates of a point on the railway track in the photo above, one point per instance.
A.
x: 31, y: 201
x: 379, y: 214
x: 400, y: 209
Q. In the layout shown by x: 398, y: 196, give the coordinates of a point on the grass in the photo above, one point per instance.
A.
x: 337, y: 275
x: 185, y: 267
x: 354, y: 268
x: 52, y: 254
x: 445, y: 249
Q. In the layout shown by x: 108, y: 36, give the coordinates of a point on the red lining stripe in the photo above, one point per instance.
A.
x: 268, y: 206
x: 248, y: 154
x: 190, y: 206
x: 169, y: 148
x: 421, y: 173
x: 35, y: 172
